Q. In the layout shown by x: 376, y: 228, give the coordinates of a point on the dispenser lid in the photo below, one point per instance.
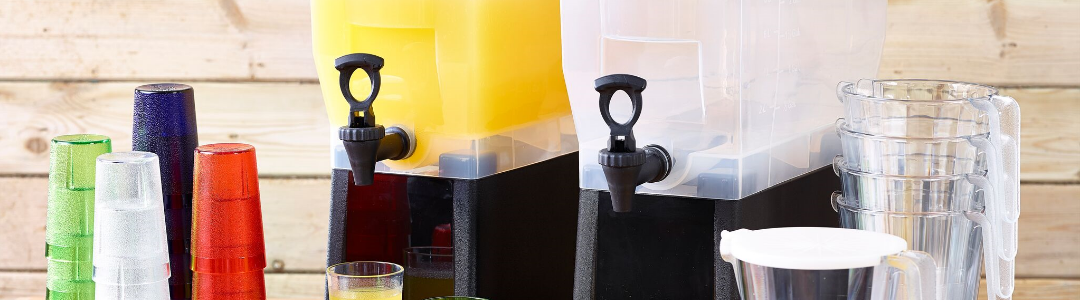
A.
x: 809, y: 248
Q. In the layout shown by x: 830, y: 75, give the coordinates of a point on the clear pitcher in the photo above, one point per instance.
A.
x: 826, y: 263
x: 913, y: 108
x: 941, y: 215
x: 952, y: 238
x: 738, y: 90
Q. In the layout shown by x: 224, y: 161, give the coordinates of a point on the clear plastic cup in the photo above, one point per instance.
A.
x: 429, y: 272
x: 364, y: 280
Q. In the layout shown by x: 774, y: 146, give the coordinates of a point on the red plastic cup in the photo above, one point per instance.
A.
x: 227, y: 250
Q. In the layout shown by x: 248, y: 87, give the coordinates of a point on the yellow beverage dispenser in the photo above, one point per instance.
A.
x: 470, y: 80
x: 452, y: 136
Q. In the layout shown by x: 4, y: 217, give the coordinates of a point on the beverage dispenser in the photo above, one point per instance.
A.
x: 451, y: 127
x: 729, y: 125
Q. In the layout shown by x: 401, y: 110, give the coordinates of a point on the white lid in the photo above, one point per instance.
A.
x: 809, y: 248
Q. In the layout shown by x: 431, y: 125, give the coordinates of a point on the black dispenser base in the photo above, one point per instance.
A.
x: 667, y: 247
x: 513, y: 232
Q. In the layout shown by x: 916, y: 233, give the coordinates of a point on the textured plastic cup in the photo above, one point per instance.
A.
x: 227, y: 249
x: 164, y: 124
x: 69, y: 229
x: 131, y: 261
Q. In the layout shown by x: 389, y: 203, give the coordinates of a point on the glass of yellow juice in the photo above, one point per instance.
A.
x: 364, y: 280
x: 429, y: 272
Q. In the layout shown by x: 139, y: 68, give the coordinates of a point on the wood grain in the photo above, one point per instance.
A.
x: 1001, y: 42
x: 998, y: 42
x: 155, y: 39
x: 285, y: 122
x: 295, y: 217
x: 29, y: 286
x: 1049, y: 134
x: 288, y: 125
x: 1049, y: 231
x: 296, y: 212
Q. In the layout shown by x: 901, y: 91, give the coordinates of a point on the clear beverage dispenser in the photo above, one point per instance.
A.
x: 741, y: 89
x: 733, y: 117
x: 451, y: 128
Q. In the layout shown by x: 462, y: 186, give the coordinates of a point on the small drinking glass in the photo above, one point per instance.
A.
x: 364, y: 280
x: 429, y: 272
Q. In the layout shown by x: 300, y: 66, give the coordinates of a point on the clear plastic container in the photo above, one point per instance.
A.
x: 826, y: 263
x: 131, y: 257
x: 477, y: 83
x: 914, y: 156
x: 740, y: 92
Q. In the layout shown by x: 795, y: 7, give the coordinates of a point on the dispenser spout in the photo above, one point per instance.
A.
x: 626, y: 166
x: 366, y: 142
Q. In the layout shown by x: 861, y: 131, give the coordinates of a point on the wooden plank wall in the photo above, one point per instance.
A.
x: 70, y: 66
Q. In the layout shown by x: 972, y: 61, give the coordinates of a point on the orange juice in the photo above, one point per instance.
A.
x: 366, y: 294
x: 424, y: 284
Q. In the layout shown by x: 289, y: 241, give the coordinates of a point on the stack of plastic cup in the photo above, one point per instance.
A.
x: 131, y: 260
x: 227, y: 250
x: 936, y: 163
x: 164, y: 124
x: 69, y: 230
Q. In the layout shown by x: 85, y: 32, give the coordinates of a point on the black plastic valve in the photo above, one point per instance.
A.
x: 366, y: 142
x: 626, y: 166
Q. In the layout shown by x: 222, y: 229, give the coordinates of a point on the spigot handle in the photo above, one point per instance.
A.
x: 360, y: 112
x: 622, y: 134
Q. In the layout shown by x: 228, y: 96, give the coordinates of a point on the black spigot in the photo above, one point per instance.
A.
x: 625, y: 165
x: 366, y: 142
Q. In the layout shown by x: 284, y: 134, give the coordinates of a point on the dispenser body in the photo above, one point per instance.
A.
x: 478, y: 83
x: 738, y: 91
x: 512, y: 233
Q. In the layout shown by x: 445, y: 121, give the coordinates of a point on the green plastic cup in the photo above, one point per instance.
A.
x: 69, y: 230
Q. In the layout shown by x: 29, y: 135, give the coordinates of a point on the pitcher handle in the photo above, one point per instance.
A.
x: 1000, y: 273
x: 917, y: 269
x: 1004, y: 211
x: 1004, y: 115
x: 1004, y: 227
x: 840, y: 90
